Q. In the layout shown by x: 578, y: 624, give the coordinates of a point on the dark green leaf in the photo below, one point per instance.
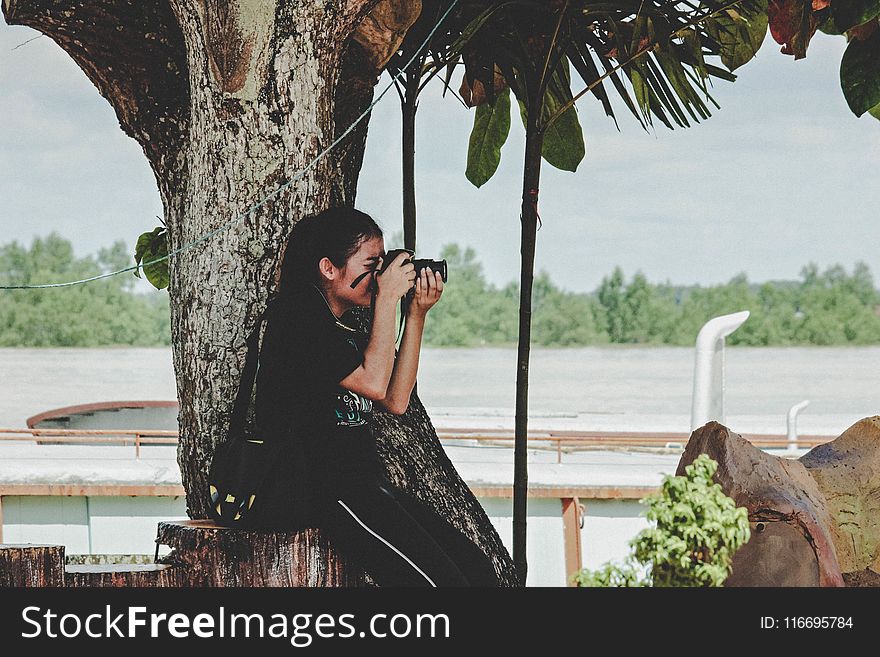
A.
x: 718, y: 72
x: 564, y: 139
x: 621, y: 89
x: 860, y: 74
x: 641, y: 91
x: 586, y: 68
x: 664, y: 94
x: 150, y: 246
x: 563, y: 145
x: 685, y: 91
x: 473, y: 28
x: 739, y: 34
x: 694, y: 49
x: 830, y: 27
x: 849, y: 13
x: 491, y: 127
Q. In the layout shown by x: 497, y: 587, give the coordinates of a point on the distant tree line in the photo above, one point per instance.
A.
x: 823, y: 308
x: 103, y: 312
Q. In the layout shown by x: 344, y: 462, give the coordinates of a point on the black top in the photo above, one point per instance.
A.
x: 305, y: 354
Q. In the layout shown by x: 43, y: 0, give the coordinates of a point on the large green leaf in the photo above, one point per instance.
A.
x: 738, y: 34
x: 860, y: 74
x: 849, y: 13
x: 150, y: 246
x: 564, y: 138
x: 491, y: 127
x: 563, y: 147
x: 875, y: 111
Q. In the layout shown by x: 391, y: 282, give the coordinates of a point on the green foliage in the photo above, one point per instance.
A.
x: 794, y: 22
x: 850, y: 13
x: 860, y: 73
x: 825, y: 308
x: 151, y: 246
x: 696, y: 529
x: 563, y: 319
x: 739, y: 36
x: 101, y: 312
x: 529, y: 47
x: 491, y: 127
x: 637, y: 313
x: 563, y: 145
x: 472, y: 312
x: 628, y: 574
x: 830, y: 308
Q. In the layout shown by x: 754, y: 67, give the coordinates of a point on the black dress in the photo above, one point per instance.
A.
x: 332, y: 463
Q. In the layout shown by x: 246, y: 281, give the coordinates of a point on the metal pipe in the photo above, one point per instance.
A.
x: 707, y: 402
x: 791, y: 424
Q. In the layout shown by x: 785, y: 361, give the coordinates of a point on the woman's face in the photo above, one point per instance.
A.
x: 338, y: 288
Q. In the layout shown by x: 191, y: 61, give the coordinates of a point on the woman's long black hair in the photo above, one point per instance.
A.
x: 335, y: 233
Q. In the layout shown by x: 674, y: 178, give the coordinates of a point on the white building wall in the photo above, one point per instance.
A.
x: 90, y: 525
x: 52, y: 520
x: 127, y: 525
x: 544, y: 545
x: 609, y: 525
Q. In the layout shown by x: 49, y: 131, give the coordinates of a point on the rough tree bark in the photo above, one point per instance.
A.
x: 228, y: 100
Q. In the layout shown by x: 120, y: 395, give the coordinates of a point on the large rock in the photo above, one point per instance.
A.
x: 791, y: 540
x: 847, y: 471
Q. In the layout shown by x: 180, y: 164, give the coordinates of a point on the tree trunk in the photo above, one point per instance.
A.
x: 230, y: 99
x: 529, y: 221
x: 408, y: 109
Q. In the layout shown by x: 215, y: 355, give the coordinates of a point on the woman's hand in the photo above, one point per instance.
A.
x: 398, y: 279
x: 429, y: 287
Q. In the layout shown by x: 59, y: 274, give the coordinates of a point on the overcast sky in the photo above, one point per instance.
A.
x: 783, y: 174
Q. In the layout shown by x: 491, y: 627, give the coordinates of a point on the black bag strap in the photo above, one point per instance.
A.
x: 248, y: 375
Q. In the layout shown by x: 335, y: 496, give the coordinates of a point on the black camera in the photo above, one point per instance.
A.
x: 418, y: 263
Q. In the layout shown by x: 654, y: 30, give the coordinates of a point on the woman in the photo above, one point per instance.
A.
x: 319, y: 381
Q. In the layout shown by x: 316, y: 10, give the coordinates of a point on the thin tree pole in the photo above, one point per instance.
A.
x: 529, y: 221
x: 409, y: 105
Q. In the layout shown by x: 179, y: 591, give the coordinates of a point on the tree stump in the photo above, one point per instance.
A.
x: 113, y: 575
x: 791, y: 541
x: 211, y: 555
x: 31, y: 565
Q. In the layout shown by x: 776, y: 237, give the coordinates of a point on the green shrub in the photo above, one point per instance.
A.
x: 696, y: 531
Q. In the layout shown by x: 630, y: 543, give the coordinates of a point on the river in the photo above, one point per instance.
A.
x: 591, y: 388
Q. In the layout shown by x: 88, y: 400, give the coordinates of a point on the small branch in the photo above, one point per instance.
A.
x: 26, y: 42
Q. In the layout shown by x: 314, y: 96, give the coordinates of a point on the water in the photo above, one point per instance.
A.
x: 591, y: 388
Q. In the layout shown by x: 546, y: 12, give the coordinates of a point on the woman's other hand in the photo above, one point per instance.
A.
x: 429, y: 287
x: 398, y: 279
